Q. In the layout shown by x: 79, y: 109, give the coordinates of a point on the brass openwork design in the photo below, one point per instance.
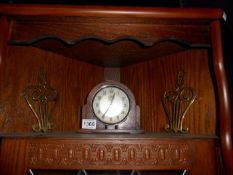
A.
x: 42, y: 100
x: 176, y: 104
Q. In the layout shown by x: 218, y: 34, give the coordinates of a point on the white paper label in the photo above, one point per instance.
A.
x: 88, y: 123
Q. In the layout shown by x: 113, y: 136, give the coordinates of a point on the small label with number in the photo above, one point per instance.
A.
x: 88, y: 124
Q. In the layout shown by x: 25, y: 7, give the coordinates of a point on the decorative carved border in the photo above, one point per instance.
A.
x: 179, y: 41
x: 67, y: 155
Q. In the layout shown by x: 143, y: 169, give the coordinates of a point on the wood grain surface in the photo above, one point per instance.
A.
x: 225, y: 112
x: 72, y: 79
x: 4, y: 34
x: 13, y: 159
x: 73, y: 69
x: 119, y: 54
x: 107, y: 154
x: 149, y: 80
x: 149, y: 12
x: 108, y: 28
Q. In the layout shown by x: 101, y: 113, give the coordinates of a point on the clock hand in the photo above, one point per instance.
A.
x: 109, y: 105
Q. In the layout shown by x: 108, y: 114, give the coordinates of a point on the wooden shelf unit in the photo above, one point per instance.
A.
x: 150, y: 46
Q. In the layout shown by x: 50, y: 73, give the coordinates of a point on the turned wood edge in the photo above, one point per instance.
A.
x: 223, y: 97
x: 122, y: 11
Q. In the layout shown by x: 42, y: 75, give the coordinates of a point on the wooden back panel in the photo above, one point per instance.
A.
x: 74, y: 80
x: 151, y: 79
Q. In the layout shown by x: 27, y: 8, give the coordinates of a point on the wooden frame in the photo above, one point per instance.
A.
x: 207, y: 17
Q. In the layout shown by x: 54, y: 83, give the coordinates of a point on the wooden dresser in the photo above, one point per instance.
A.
x: 149, y: 47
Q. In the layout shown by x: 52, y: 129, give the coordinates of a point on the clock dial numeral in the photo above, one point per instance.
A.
x: 111, y: 90
x: 110, y: 97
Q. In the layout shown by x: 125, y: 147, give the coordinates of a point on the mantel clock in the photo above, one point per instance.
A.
x: 111, y: 108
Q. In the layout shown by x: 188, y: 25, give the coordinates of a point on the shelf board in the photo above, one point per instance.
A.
x: 118, y: 52
x: 147, y: 135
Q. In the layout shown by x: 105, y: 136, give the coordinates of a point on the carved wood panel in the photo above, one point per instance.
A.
x: 104, y: 154
x: 108, y: 152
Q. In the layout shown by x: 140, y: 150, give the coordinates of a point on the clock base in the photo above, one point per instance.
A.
x: 111, y: 131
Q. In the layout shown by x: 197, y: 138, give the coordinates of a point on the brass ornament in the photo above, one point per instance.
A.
x: 176, y: 104
x: 42, y: 100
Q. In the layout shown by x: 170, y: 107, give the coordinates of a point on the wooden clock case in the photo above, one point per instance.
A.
x: 132, y: 122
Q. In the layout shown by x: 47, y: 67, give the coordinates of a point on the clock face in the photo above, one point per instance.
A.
x: 111, y: 104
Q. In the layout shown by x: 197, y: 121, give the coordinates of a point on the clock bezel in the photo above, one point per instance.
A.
x: 123, y: 90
